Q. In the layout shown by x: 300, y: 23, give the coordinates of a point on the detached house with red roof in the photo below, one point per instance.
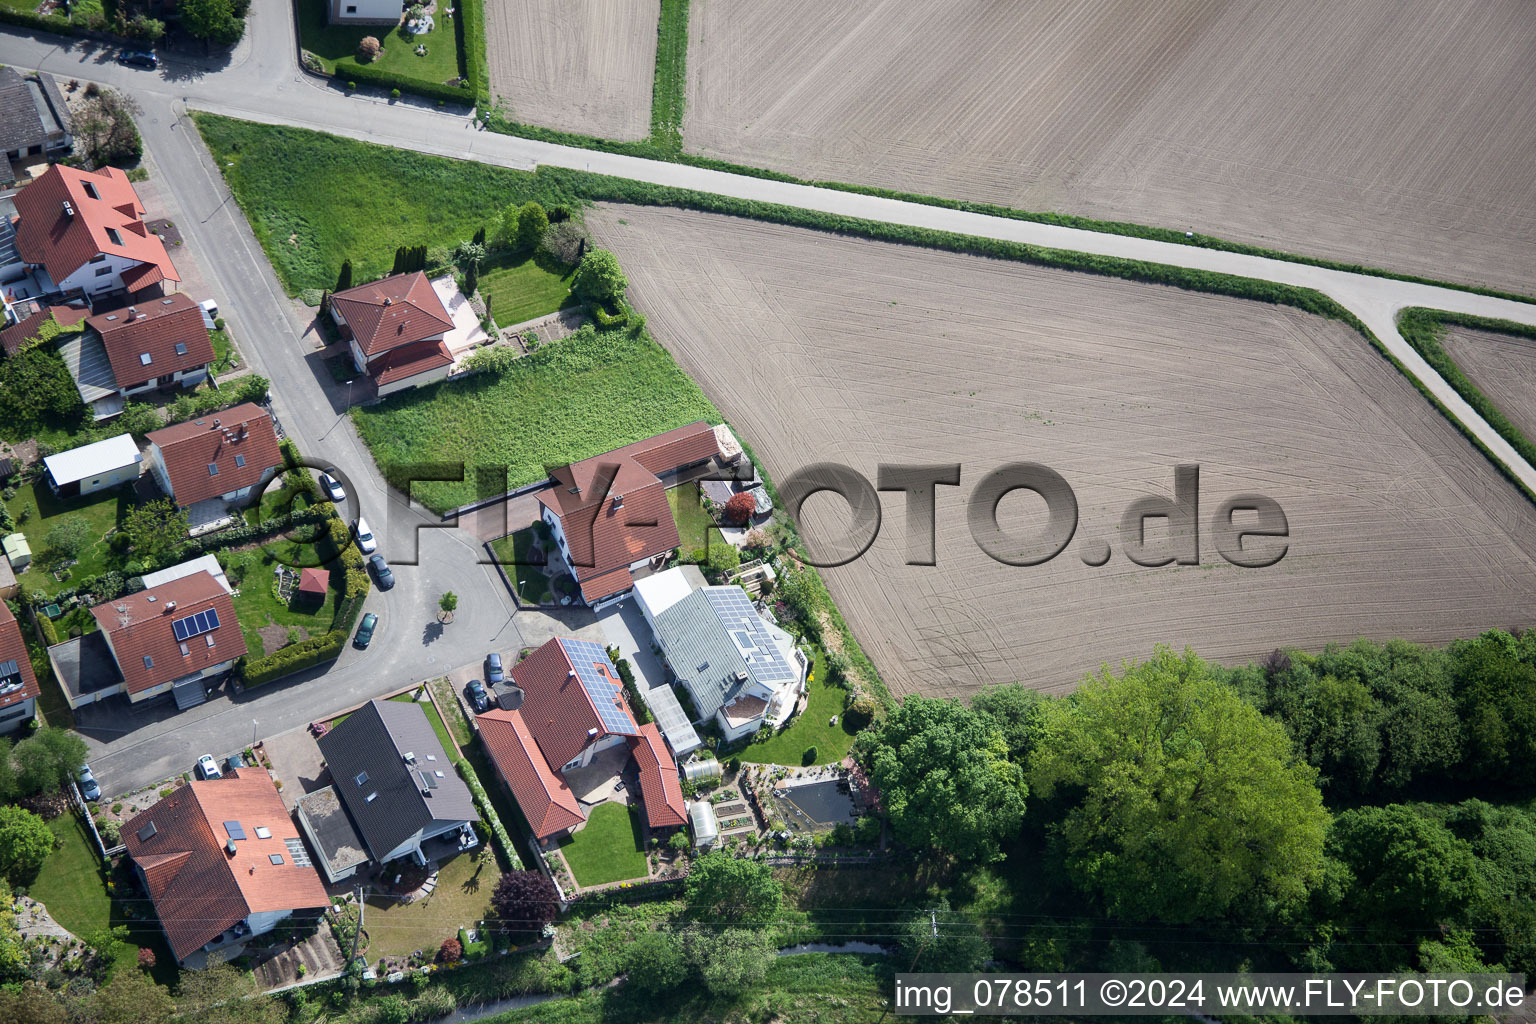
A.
x: 222, y: 862
x: 168, y: 638
x: 18, y: 683
x: 396, y: 329
x: 222, y: 458
x: 609, y: 515
x: 83, y: 232
x: 158, y: 343
x: 573, y: 708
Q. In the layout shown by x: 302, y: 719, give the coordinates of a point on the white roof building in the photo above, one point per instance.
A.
x: 93, y: 460
x: 202, y: 563
x: 659, y: 592
x: 706, y: 827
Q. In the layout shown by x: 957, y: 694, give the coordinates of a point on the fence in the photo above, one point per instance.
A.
x: 90, y: 823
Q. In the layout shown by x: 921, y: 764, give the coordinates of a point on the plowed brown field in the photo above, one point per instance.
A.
x: 1503, y: 366
x: 577, y: 65
x: 1396, y: 133
x: 818, y: 347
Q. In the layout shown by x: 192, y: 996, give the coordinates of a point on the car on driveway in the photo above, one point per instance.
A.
x: 365, y: 537
x: 208, y: 768
x: 382, y: 572
x: 493, y: 672
x: 88, y: 785
x: 365, y: 630
x: 138, y: 59
x: 332, y: 487
x: 234, y: 762
x: 477, y: 695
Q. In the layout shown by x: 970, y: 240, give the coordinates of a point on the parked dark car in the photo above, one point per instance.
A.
x: 477, y: 695
x: 494, y: 675
x: 365, y: 630
x: 138, y: 59
x: 234, y: 762
x: 381, y: 572
x: 89, y: 789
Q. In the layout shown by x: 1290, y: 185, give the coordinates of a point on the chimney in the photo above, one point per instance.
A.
x: 618, y: 501
x: 133, y: 314
x: 229, y: 847
x: 592, y: 733
x: 170, y: 606
x: 69, y: 211
x: 388, y: 301
x: 215, y: 424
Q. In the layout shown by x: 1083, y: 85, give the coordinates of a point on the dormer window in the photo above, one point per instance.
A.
x: 114, y: 237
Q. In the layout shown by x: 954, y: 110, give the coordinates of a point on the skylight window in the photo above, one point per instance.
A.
x: 275, y: 858
x: 362, y: 779
x: 262, y: 832
x: 240, y: 461
x: 144, y: 359
x: 114, y: 237
x: 213, y: 469
x: 90, y: 190
x: 149, y: 662
x: 181, y: 349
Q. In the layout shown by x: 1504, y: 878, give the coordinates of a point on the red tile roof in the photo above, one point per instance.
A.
x: 408, y: 361
x: 546, y: 801
x: 154, y: 327
x: 13, y: 648
x: 663, y: 794
x: 138, y: 627
x: 189, y: 448
x: 142, y: 276
x: 313, y: 581
x: 62, y: 243
x: 18, y: 334
x: 604, y: 537
x: 393, y: 312
x: 198, y: 889
x: 559, y: 711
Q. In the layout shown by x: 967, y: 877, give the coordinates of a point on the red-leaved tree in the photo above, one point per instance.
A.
x: 524, y: 901
x: 450, y: 951
x: 739, y: 510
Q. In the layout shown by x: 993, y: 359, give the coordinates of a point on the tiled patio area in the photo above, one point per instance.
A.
x: 599, y: 780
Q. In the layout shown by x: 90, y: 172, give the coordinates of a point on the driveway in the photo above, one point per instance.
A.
x: 624, y: 626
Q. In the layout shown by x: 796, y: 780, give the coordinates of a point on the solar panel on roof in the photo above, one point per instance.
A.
x: 736, y: 613
x: 605, y: 693
x: 195, y: 625
x: 10, y: 676
x: 234, y: 829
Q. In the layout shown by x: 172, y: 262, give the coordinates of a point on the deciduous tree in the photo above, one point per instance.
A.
x: 656, y: 962
x: 939, y: 940
x: 1408, y: 872
x: 25, y: 842
x: 532, y: 222
x: 156, y: 528
x: 524, y: 901
x: 599, y: 278
x: 725, y: 888
x: 213, y: 20
x: 732, y: 960
x: 943, y: 771
x: 47, y: 760
x: 1185, y: 800
x: 739, y: 509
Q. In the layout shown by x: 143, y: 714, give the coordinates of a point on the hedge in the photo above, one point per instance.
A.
x: 489, y: 816
x: 49, y: 631
x: 293, y: 658
x: 631, y: 691
x: 27, y: 19
x: 470, y: 24
x: 472, y: 950
x: 367, y: 74
x: 607, y: 321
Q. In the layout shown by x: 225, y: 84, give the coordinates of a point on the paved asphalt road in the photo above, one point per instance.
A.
x: 260, y: 81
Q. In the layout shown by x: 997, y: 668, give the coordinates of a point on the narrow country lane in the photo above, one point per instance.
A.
x: 261, y: 81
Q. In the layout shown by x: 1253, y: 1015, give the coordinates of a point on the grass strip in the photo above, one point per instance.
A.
x: 669, y: 91
x: 1424, y: 328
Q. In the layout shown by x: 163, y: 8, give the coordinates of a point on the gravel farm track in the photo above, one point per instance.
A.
x: 1503, y: 366
x: 820, y: 347
x: 1393, y: 134
x: 577, y: 65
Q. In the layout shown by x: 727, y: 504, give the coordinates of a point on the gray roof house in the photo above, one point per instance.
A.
x: 34, y: 121
x: 737, y: 667
x: 395, y: 780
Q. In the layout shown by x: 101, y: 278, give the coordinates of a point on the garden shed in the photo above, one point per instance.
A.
x: 312, y: 584
x: 17, y: 551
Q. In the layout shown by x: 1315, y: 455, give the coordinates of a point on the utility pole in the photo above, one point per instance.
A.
x: 933, y: 926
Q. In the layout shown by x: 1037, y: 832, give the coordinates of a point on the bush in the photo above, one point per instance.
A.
x: 432, y: 1003
x: 679, y: 841
x: 368, y: 48
x: 599, y: 279
x: 809, y: 757
x: 451, y: 950
x: 146, y: 958
x: 607, y: 321
x: 740, y: 509
x: 394, y: 94
x: 111, y: 832
x: 293, y: 658
x: 860, y: 712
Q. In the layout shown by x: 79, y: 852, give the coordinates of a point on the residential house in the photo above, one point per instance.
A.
x: 84, y: 232
x: 94, y: 467
x: 572, y: 708
x: 395, y: 329
x: 222, y: 862
x: 202, y: 563
x: 396, y: 782
x: 169, y: 638
x: 609, y: 515
x: 18, y: 683
x: 153, y: 344
x: 226, y: 457
x: 34, y: 122
x: 26, y: 318
x: 739, y: 668
x: 366, y: 12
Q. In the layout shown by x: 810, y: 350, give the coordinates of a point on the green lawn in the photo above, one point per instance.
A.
x: 524, y: 286
x: 609, y: 848
x: 584, y: 396
x: 72, y: 886
x: 693, y: 523
x: 223, y: 352
x: 336, y: 46
x: 314, y: 200
x: 462, y: 899
x: 257, y: 606
x: 514, y: 554
x: 101, y: 512
x: 832, y: 742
